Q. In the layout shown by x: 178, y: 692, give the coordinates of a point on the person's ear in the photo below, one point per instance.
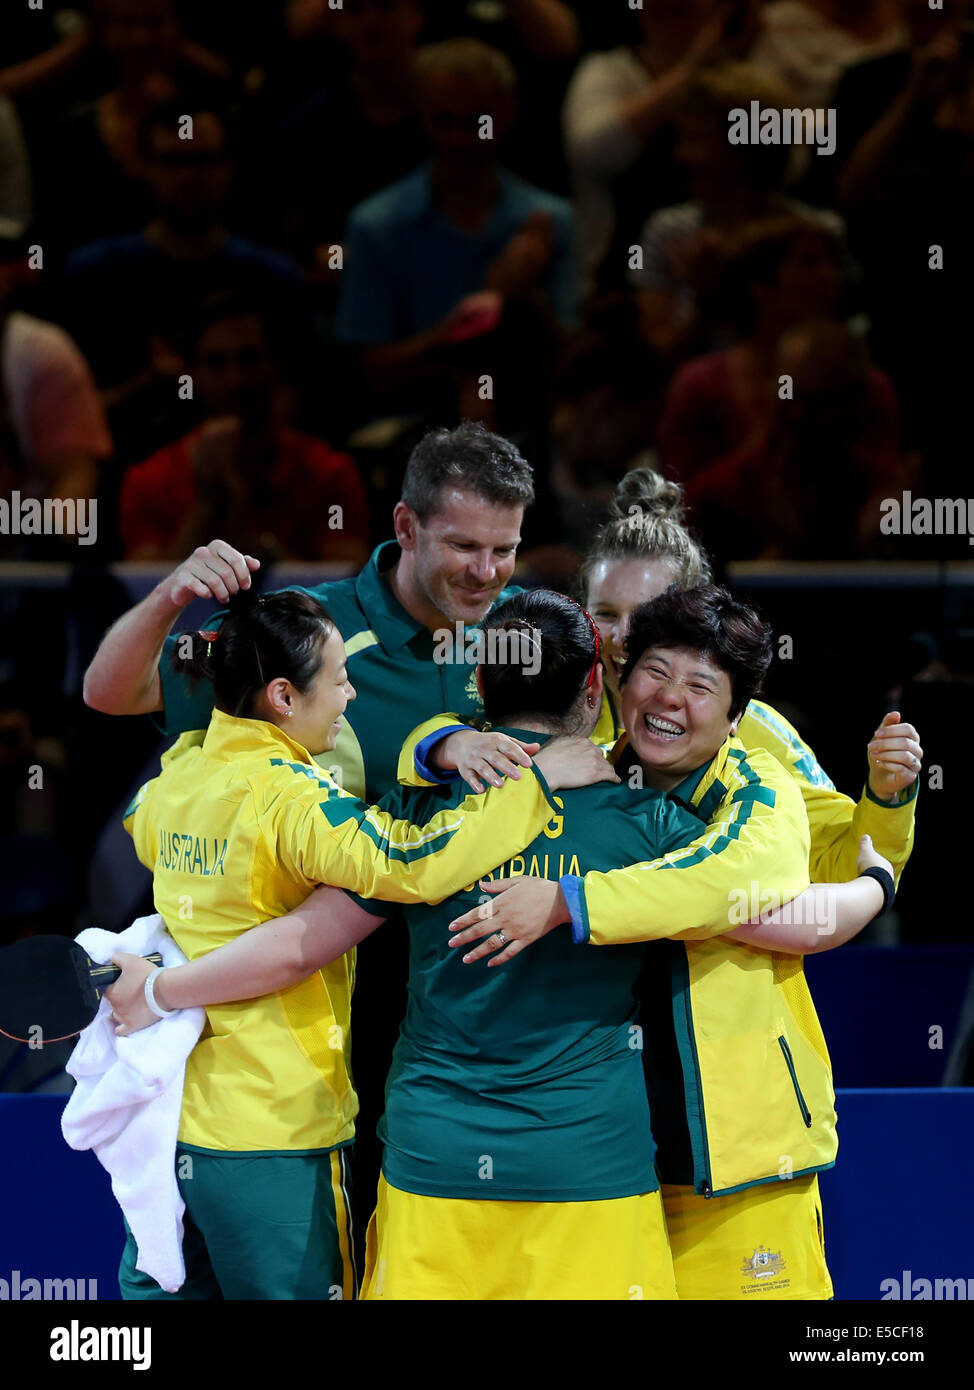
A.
x: 277, y: 693
x: 595, y: 690
x: 405, y: 522
x: 479, y: 678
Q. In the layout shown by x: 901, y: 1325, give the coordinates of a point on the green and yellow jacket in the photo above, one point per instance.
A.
x: 737, y: 1068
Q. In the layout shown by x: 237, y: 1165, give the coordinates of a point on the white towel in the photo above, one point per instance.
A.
x: 127, y: 1103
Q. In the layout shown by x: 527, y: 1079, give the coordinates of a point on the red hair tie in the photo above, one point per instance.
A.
x: 598, y: 642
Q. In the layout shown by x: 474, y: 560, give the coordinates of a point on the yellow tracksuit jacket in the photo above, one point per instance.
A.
x: 238, y: 828
x: 756, y: 1071
x: 835, y: 820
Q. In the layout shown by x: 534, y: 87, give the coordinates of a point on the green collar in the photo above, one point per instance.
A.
x: 383, y: 612
x: 685, y: 790
x: 524, y: 735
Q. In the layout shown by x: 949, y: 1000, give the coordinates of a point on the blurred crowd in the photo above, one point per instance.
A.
x: 250, y: 251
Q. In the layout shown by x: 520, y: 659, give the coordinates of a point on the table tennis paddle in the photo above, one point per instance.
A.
x: 50, y: 989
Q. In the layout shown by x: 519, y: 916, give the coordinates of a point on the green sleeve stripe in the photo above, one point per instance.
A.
x: 135, y: 803
x: 764, y: 714
x: 339, y: 809
x: 763, y: 794
x: 770, y: 718
x: 698, y: 856
x: 302, y: 770
x: 731, y: 832
x: 709, y: 803
x: 804, y: 760
x: 360, y: 641
x: 342, y: 810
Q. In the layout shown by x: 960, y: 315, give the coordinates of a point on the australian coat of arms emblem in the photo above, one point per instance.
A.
x: 763, y: 1264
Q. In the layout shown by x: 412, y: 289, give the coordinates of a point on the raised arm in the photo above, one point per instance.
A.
x: 885, y: 811
x: 54, y: 63
x: 606, y: 130
x: 123, y: 677
x: 272, y: 956
x: 873, y: 159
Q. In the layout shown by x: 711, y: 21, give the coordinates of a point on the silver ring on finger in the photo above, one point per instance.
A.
x: 501, y: 937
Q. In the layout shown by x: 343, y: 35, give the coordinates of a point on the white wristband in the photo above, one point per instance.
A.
x: 150, y: 995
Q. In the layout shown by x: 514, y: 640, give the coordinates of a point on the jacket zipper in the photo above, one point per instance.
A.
x: 697, y: 1084
x: 789, y: 1062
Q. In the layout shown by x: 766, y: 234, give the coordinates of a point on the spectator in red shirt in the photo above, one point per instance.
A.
x: 778, y: 273
x: 808, y: 484
x: 281, y: 494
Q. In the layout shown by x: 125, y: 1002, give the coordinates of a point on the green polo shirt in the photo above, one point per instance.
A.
x: 390, y: 663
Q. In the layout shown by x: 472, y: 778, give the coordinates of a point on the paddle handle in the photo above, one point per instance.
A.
x: 104, y: 975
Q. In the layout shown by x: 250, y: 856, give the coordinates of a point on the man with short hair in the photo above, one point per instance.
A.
x: 457, y: 526
x: 457, y: 250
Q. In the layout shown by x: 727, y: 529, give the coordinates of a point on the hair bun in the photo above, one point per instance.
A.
x: 651, y: 493
x: 243, y: 602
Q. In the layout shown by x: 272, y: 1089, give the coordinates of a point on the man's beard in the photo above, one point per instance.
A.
x: 446, y: 602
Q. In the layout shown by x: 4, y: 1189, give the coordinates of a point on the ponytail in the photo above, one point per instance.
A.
x: 262, y: 637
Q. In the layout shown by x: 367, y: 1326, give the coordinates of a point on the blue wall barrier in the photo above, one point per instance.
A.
x: 58, y: 1218
x: 878, y: 1004
x: 900, y: 1198
x: 899, y: 1201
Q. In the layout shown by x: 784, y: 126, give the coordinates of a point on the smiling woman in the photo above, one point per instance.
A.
x: 271, y: 1079
x: 729, y: 1032
x: 696, y: 658
x: 277, y: 657
x: 642, y: 548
